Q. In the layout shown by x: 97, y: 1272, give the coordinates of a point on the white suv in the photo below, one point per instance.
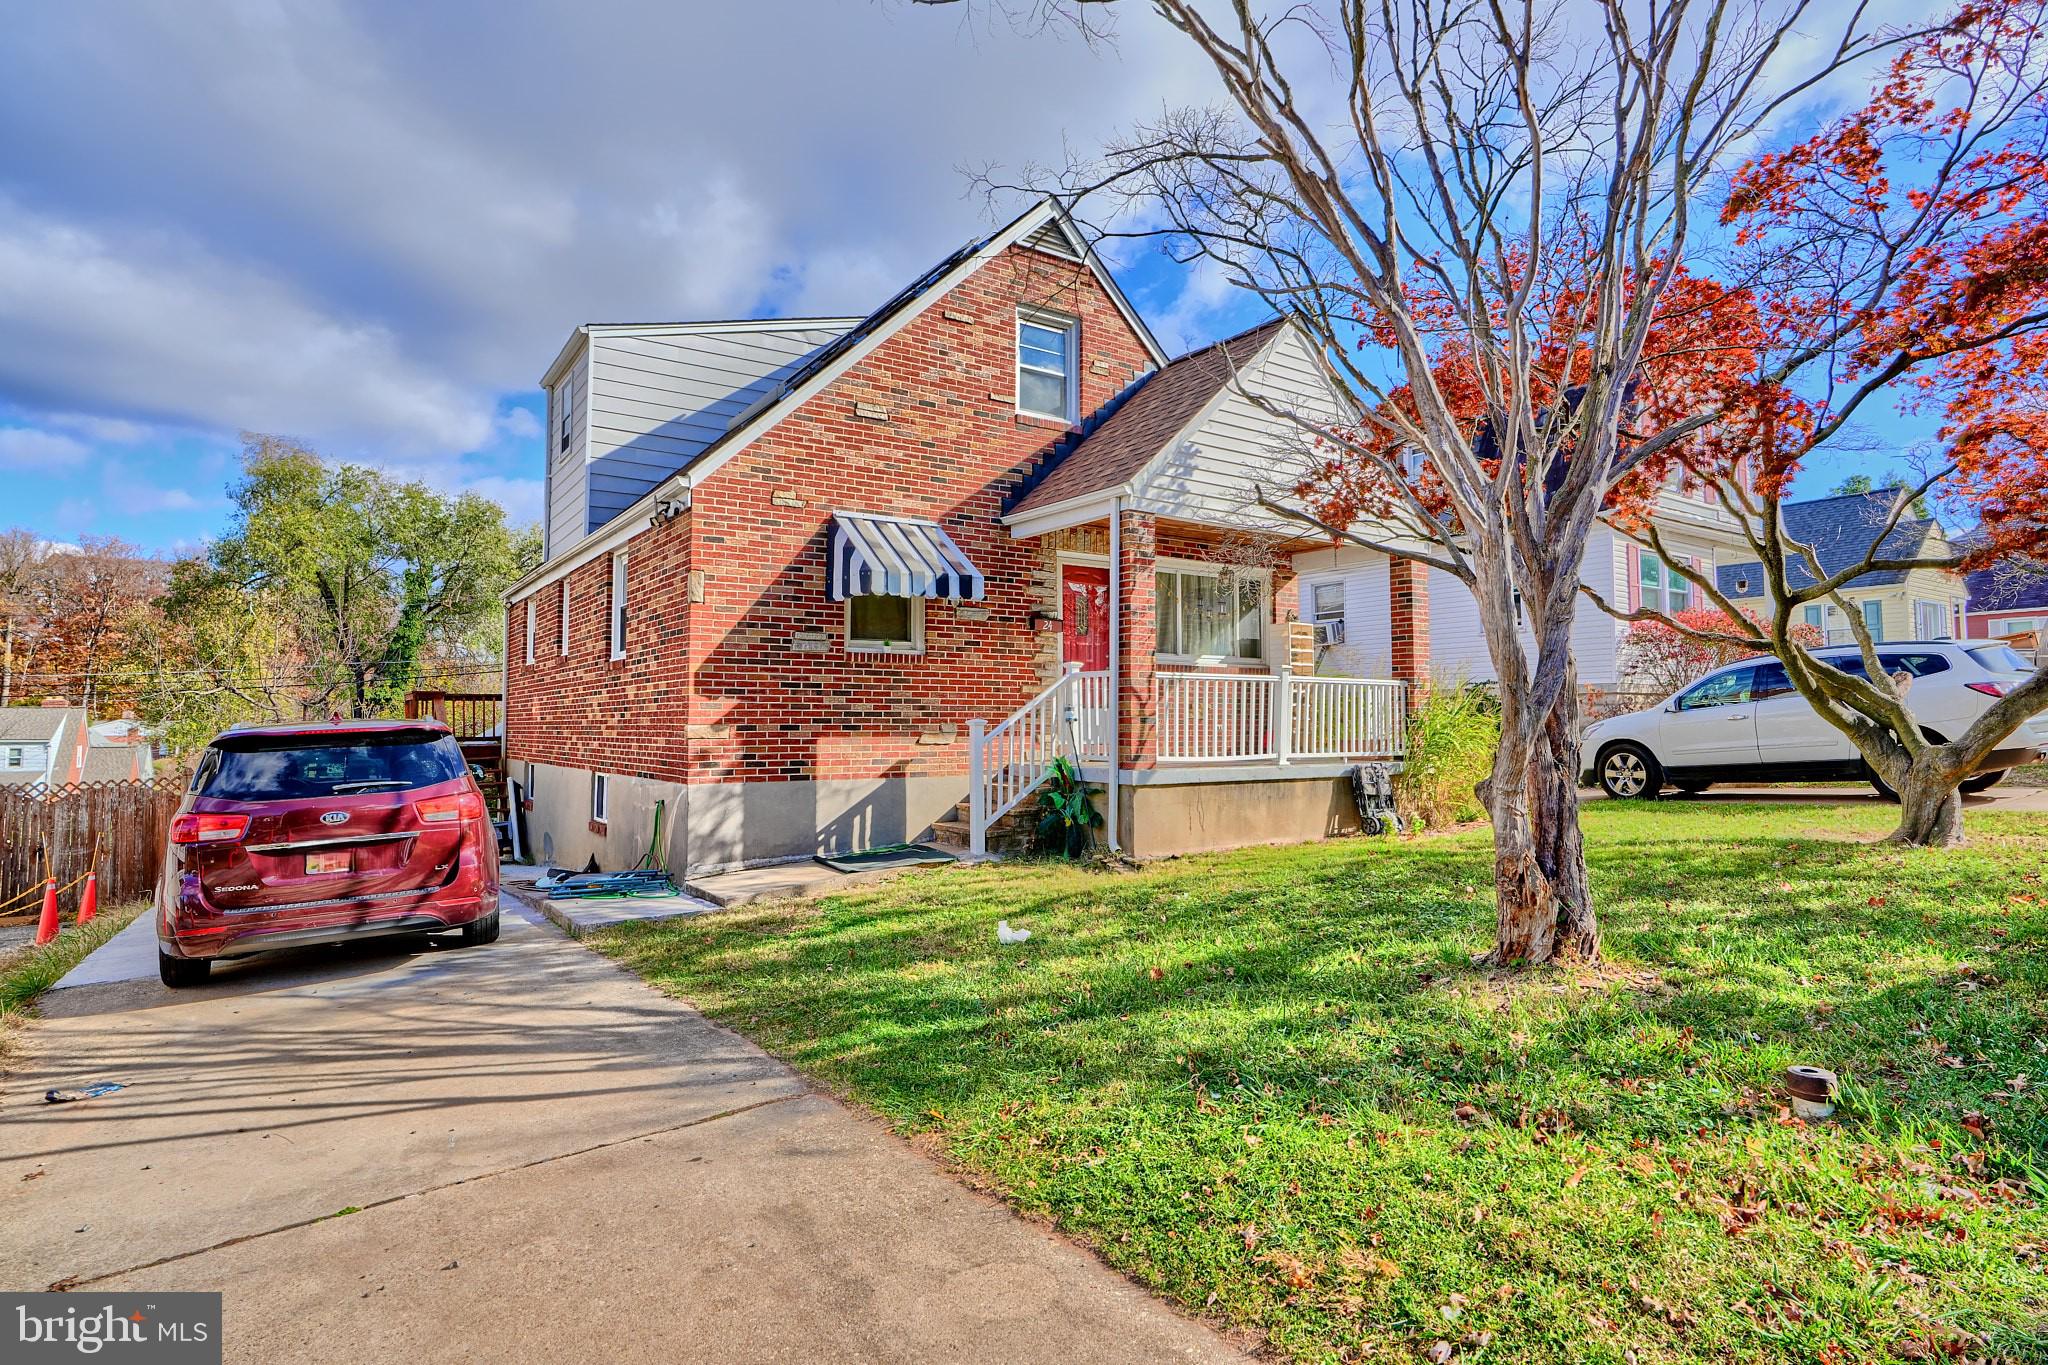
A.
x: 1745, y: 722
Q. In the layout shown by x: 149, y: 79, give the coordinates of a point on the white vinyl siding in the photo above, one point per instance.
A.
x: 660, y: 395
x: 1234, y: 448
x: 1359, y: 584
x: 568, y: 492
x: 617, y: 604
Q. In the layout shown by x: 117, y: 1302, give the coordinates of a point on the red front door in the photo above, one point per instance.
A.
x: 1084, y: 603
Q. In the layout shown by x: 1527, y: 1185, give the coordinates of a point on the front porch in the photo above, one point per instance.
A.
x: 1183, y: 686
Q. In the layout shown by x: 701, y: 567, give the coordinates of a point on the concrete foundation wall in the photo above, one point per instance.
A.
x: 560, y: 819
x: 739, y: 823
x: 1163, y: 820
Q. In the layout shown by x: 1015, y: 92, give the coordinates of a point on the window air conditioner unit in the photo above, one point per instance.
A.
x: 1329, y: 633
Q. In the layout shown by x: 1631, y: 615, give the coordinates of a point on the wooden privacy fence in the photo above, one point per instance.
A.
x: 130, y: 821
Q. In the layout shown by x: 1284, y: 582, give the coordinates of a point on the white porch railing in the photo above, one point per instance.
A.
x: 1231, y: 717
x: 1007, y: 764
x: 1199, y: 718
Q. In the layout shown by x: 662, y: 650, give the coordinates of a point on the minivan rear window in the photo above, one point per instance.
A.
x: 282, y: 767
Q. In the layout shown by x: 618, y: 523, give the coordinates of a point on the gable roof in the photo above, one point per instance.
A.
x: 1147, y: 418
x: 835, y: 357
x: 33, y: 724
x: 1839, y: 530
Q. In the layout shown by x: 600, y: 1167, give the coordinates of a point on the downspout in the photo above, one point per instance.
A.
x: 1116, y: 663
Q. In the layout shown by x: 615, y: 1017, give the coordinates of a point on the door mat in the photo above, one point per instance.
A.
x: 896, y: 855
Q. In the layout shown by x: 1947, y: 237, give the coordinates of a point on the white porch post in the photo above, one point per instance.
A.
x: 977, y: 796
x: 1283, y: 715
x: 1116, y: 664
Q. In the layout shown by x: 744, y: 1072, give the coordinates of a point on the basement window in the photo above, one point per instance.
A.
x: 600, y: 795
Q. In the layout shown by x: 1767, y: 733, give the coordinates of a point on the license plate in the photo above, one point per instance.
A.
x: 327, y: 862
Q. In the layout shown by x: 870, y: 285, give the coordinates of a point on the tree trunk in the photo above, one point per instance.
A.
x: 1930, y: 809
x: 1543, y: 901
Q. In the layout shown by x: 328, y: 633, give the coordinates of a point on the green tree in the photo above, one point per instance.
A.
x: 370, y: 575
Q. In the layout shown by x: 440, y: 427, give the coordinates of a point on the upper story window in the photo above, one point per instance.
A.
x: 565, y: 407
x: 562, y: 645
x: 1660, y: 588
x: 1207, y: 617
x: 618, y: 613
x: 1046, y: 352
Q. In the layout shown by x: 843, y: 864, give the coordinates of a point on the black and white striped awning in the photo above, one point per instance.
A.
x: 898, y: 557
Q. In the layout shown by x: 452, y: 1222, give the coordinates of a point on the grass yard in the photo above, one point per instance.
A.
x: 27, y: 972
x: 1270, y: 1085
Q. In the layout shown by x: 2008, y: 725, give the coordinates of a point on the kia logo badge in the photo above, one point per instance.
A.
x: 334, y: 817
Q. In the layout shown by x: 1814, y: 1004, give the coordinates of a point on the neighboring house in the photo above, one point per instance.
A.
x: 822, y: 585
x: 2010, y: 602
x: 1897, y: 604
x: 1340, y: 590
x: 53, y: 745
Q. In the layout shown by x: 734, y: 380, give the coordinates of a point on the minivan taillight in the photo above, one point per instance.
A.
x: 208, y: 827
x: 1988, y: 689
x: 440, y: 810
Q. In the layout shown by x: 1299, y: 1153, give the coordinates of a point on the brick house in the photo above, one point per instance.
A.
x: 817, y: 585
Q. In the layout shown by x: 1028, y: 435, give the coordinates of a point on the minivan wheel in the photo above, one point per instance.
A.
x: 181, y: 971
x: 1630, y: 772
x: 1882, y: 788
x: 1982, y: 781
x: 481, y: 931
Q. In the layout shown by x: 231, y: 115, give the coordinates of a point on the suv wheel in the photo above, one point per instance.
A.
x: 1982, y: 781
x: 181, y: 971
x: 1881, y: 787
x: 480, y: 932
x: 1629, y: 772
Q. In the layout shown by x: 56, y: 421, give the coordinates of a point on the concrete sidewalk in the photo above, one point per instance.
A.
x: 516, y: 1151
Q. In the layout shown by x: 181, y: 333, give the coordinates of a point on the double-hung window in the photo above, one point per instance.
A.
x: 1326, y: 612
x: 565, y: 407
x: 1207, y: 616
x: 618, y: 612
x: 1661, y: 588
x: 1873, y: 618
x: 1045, y: 365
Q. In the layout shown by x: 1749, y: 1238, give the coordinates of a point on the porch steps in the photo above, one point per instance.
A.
x: 1012, y: 834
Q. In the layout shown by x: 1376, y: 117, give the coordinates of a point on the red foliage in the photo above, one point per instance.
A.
x: 1659, y: 656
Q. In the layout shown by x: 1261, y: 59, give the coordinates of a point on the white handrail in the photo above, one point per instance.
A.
x: 1206, y: 717
x: 1006, y: 764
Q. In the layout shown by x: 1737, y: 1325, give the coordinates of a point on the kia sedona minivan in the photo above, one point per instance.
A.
x: 320, y: 833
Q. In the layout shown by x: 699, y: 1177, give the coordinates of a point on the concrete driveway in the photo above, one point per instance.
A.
x: 517, y: 1151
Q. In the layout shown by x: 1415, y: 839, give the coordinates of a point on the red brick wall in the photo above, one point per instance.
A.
x: 754, y: 682
x: 1408, y: 612
x: 588, y: 710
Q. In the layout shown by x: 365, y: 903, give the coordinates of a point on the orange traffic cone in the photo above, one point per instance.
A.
x: 89, y: 903
x: 46, y: 929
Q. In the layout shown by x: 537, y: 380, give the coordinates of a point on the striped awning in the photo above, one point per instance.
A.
x: 898, y: 557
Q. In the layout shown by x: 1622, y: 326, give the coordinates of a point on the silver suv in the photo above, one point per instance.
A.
x: 1745, y: 722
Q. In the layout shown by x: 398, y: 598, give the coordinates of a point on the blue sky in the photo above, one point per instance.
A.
x: 371, y: 225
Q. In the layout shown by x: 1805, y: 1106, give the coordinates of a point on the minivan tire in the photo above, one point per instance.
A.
x: 1978, y: 782
x: 1629, y: 772
x: 178, y: 972
x: 480, y: 932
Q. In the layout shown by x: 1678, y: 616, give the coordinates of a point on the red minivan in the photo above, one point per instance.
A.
x: 322, y: 832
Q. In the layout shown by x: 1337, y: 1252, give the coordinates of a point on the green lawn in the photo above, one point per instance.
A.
x: 1270, y: 1085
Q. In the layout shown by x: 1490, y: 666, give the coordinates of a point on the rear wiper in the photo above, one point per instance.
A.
x: 368, y: 783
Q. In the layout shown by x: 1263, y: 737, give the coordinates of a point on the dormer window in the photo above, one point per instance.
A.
x: 564, y: 406
x: 1045, y: 365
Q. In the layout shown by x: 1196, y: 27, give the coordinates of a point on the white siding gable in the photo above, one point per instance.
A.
x: 1234, y: 447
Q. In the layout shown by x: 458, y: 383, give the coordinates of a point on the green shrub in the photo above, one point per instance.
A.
x: 1451, y: 738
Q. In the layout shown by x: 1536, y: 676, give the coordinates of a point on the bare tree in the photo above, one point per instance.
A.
x: 1482, y: 212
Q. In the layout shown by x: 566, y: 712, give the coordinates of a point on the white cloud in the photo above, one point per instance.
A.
x: 521, y: 498
x: 31, y: 448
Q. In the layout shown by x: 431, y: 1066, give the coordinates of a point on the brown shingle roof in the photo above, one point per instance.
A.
x: 35, y: 724
x: 1156, y: 412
